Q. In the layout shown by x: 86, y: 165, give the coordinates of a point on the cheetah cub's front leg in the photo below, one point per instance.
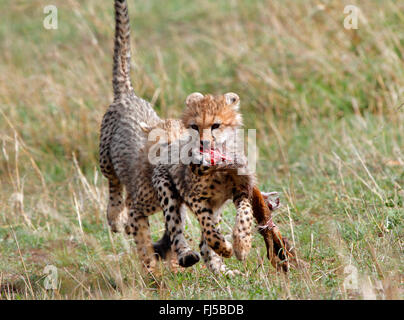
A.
x: 242, y: 228
x: 211, y: 233
x: 213, y: 261
x: 174, y: 219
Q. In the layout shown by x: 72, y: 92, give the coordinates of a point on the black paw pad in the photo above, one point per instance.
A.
x: 189, y: 259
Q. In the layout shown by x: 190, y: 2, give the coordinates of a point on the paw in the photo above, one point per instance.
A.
x: 188, y: 259
x: 242, y: 247
x: 241, y: 253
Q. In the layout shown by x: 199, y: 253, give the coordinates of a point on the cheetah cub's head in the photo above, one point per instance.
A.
x: 215, y: 118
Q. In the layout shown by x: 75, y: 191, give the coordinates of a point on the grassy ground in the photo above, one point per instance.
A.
x: 325, y: 102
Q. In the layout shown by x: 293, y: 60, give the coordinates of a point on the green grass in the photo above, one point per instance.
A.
x: 325, y: 102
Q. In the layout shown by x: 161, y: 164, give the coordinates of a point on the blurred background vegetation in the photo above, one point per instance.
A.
x: 327, y: 104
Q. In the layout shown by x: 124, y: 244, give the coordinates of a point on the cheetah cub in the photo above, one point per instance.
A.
x: 154, y: 186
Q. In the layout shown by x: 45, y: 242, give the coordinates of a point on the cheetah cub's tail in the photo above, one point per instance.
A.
x: 121, y: 67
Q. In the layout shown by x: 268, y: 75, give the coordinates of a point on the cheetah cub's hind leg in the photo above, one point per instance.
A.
x: 138, y: 226
x: 116, y: 211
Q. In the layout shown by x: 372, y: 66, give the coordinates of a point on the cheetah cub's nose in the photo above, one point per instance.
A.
x: 205, y: 145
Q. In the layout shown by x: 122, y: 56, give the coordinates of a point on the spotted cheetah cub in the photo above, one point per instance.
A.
x: 205, y: 188
x: 154, y: 186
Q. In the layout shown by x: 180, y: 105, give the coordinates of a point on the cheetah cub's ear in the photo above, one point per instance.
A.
x: 193, y: 98
x: 232, y: 99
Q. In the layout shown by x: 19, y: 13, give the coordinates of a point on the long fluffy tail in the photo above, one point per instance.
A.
x: 121, y: 69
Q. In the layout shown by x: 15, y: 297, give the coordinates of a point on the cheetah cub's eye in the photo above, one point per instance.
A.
x: 194, y: 126
x: 215, y: 126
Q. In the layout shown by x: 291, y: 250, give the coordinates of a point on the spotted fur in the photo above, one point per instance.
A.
x: 138, y: 188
